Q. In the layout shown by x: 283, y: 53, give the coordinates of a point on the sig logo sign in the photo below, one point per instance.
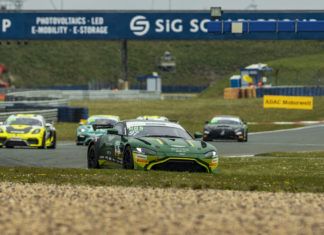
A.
x: 5, y: 25
x: 140, y: 25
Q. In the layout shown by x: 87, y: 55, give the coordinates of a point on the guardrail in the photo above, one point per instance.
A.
x: 19, y: 105
x: 50, y: 115
x: 84, y: 94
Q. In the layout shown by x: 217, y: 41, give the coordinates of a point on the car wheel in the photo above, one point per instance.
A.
x: 128, y: 161
x: 53, y: 146
x: 43, y: 146
x: 246, y: 137
x: 93, y: 161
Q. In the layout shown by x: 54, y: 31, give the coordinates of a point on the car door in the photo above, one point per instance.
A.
x: 114, y: 144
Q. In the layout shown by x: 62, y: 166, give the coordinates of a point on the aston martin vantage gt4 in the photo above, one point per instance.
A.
x: 94, y: 127
x: 152, y: 145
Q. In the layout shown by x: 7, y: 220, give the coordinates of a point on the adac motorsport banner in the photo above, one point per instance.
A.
x: 288, y: 102
x: 104, y: 25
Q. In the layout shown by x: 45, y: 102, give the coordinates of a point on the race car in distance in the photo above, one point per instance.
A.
x: 27, y: 130
x: 225, y: 127
x: 94, y: 127
x: 152, y: 145
x: 158, y: 118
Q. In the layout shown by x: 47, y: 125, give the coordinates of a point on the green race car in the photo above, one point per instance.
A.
x: 93, y: 127
x: 152, y: 145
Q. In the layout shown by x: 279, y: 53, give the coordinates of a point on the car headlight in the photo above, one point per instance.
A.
x: 37, y: 131
x: 211, y: 154
x: 206, y: 132
x: 145, y: 151
x: 82, y: 130
x: 238, y: 132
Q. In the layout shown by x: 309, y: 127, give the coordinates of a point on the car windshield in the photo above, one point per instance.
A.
x: 157, y: 131
x: 223, y: 121
x: 102, y: 121
x: 24, y: 121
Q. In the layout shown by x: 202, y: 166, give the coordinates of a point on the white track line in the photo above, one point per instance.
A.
x: 286, y: 130
x: 233, y: 156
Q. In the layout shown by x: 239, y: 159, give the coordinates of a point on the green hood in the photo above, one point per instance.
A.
x: 173, y: 146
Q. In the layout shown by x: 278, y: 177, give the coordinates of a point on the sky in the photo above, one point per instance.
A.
x: 171, y: 4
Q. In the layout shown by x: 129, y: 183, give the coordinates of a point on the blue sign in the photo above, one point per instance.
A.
x: 267, y: 25
x: 182, y: 25
x: 103, y: 25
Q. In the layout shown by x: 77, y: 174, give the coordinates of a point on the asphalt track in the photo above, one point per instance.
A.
x: 68, y: 155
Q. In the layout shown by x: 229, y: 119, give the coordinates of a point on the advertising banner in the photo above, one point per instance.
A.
x: 104, y: 26
x: 288, y: 102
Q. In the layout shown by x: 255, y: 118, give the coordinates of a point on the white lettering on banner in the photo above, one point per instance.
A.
x: 90, y: 30
x: 97, y: 21
x: 196, y: 26
x: 70, y: 25
x: 6, y: 24
x: 61, y: 20
x: 168, y: 26
x: 49, y: 30
x: 140, y: 25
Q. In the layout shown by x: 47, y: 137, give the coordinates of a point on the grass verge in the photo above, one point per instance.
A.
x: 277, y: 172
x: 193, y: 113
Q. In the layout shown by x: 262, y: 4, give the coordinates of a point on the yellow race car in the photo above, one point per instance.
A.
x: 27, y: 130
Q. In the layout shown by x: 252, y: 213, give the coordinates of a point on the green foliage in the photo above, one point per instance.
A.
x: 46, y: 63
x: 292, y: 172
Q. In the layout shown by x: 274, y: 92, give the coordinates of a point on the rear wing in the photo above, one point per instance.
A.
x: 174, y: 121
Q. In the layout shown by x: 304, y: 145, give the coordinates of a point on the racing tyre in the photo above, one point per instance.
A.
x: 43, y: 146
x: 53, y: 146
x: 128, y: 161
x: 93, y: 161
x: 246, y: 137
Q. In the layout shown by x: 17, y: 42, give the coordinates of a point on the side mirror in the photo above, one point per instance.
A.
x: 48, y: 125
x: 112, y: 131
x: 198, y: 135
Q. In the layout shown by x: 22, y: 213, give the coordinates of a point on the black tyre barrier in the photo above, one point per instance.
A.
x: 72, y: 114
